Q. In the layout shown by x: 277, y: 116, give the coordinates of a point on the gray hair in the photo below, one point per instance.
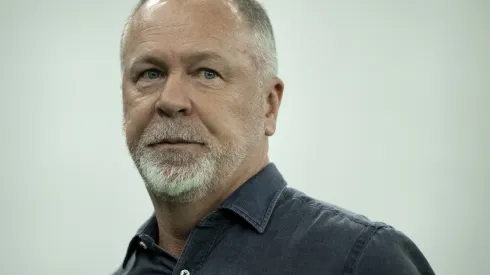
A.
x: 262, y: 35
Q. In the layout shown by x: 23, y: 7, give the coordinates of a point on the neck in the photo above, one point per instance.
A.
x: 176, y: 220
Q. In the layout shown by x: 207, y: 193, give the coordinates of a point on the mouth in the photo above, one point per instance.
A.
x: 175, y: 142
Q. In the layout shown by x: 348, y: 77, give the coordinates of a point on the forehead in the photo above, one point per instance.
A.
x: 187, y: 25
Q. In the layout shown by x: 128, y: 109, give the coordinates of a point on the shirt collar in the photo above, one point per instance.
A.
x: 148, y: 229
x: 254, y: 201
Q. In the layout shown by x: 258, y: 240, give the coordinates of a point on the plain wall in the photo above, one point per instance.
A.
x: 386, y: 112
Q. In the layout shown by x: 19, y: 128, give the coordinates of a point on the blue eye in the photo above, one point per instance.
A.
x: 209, y: 74
x: 152, y: 74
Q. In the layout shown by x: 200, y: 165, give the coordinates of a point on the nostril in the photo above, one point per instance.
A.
x: 161, y: 113
x: 171, y: 110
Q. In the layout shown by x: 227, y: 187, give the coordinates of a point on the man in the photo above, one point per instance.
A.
x: 201, y: 97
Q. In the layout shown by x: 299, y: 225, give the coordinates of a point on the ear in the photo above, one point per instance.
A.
x: 273, y: 102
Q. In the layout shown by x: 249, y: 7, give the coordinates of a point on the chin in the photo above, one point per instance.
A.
x: 182, y: 182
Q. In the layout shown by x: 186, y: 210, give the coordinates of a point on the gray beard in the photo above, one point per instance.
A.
x: 186, y: 177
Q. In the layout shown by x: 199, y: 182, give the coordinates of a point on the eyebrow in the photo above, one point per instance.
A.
x: 202, y: 56
x: 146, y: 58
x: 190, y: 59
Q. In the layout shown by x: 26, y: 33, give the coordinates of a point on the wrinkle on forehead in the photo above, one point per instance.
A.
x: 204, y: 17
x: 218, y: 20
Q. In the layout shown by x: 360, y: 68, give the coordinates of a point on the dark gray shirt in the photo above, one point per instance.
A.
x: 264, y: 227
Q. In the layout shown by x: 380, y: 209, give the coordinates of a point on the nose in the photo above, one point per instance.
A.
x: 173, y: 100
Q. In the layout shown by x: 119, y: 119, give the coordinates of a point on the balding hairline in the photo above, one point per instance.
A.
x: 262, y: 36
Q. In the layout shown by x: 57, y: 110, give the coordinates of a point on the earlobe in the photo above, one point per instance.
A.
x: 270, y: 126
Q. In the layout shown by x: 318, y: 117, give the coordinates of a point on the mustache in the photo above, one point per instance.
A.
x: 172, y: 131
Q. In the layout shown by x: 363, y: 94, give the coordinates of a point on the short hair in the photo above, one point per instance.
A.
x: 261, y: 29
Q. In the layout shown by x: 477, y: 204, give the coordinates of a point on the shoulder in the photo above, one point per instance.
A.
x: 366, y: 246
x: 324, y: 213
x: 389, y: 251
x: 321, y: 227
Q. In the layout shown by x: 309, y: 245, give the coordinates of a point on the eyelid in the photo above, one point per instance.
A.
x: 140, y: 74
x: 211, y: 70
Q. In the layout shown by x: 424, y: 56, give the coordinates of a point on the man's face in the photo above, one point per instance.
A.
x: 192, y: 106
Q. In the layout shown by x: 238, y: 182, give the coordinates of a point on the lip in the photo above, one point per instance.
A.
x: 174, y: 142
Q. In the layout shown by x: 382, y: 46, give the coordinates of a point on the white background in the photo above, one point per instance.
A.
x: 386, y: 112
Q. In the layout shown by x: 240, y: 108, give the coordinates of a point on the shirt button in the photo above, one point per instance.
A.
x: 185, y: 272
x: 143, y: 245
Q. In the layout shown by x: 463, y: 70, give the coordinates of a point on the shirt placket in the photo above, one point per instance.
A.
x: 202, y: 240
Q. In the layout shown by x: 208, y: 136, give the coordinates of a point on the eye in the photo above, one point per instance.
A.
x: 151, y: 74
x: 209, y: 74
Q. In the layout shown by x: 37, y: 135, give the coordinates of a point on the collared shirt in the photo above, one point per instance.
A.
x: 265, y: 227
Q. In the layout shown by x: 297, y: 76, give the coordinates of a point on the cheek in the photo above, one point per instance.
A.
x: 137, y: 116
x: 229, y: 121
x: 218, y: 117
